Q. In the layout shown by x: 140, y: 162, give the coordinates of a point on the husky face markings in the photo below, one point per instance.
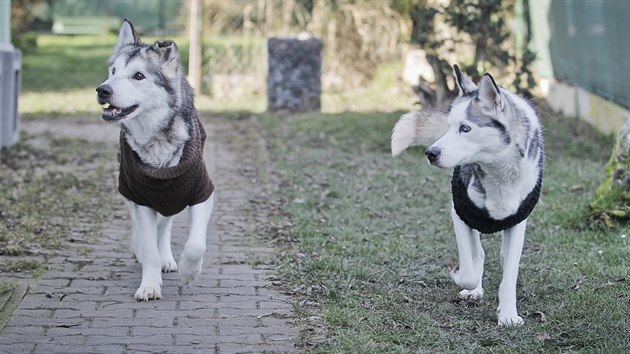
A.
x: 476, y: 132
x: 145, y: 73
x: 493, y: 139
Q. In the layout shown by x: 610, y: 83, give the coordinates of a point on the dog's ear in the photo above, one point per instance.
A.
x: 127, y: 35
x: 165, y: 54
x: 464, y: 84
x: 489, y: 93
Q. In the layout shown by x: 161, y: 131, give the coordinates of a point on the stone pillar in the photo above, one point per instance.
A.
x: 294, y: 74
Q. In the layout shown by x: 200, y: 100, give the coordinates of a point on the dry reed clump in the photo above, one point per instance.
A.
x: 357, y: 37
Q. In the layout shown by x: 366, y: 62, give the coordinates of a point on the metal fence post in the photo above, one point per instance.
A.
x: 10, y: 81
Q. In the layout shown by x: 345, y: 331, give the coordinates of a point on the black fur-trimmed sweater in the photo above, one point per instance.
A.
x: 167, y: 190
x: 479, y: 218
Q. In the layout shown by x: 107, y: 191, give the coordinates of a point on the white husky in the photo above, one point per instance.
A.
x: 161, y: 170
x: 493, y: 140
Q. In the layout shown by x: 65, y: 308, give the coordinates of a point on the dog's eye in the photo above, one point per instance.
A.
x: 464, y: 128
x: 138, y: 76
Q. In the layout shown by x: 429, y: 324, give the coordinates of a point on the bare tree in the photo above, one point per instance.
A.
x: 194, y: 61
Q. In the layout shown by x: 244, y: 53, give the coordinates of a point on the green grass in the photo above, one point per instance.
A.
x: 66, y: 63
x: 60, y: 76
x: 375, y: 240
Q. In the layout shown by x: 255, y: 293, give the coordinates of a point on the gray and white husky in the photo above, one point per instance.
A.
x: 493, y: 140
x: 147, y: 94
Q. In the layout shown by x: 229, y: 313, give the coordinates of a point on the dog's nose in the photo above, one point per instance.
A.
x: 433, y: 153
x: 104, y: 91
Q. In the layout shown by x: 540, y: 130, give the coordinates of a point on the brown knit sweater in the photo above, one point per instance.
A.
x: 167, y: 190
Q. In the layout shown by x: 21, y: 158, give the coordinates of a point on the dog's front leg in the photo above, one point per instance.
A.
x: 469, y: 274
x: 164, y: 226
x: 145, y: 224
x: 191, y: 262
x: 135, y: 233
x: 511, y: 249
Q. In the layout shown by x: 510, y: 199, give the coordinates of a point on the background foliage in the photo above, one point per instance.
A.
x: 476, y: 34
x: 359, y: 36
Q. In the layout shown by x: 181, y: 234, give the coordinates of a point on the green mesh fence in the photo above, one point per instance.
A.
x: 585, y: 43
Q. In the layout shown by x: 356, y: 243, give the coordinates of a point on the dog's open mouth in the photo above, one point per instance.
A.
x: 112, y: 113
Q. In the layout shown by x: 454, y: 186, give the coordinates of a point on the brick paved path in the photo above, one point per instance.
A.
x: 85, y: 303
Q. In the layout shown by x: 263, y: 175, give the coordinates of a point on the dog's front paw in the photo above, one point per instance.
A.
x: 464, y: 279
x: 473, y: 295
x: 509, y: 318
x: 169, y: 265
x: 511, y: 321
x: 189, y: 270
x: 146, y: 293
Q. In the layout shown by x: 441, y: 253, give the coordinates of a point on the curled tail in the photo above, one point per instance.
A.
x: 418, y: 128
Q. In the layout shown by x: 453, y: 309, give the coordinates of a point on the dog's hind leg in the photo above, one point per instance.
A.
x: 164, y: 244
x: 191, y: 262
x: 145, y: 220
x: 471, y: 257
x: 511, y: 249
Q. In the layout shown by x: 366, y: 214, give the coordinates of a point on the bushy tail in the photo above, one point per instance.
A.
x: 418, y: 128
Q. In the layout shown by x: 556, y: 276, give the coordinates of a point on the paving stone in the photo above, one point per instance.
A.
x: 17, y: 348
x: 71, y: 349
x: 61, y: 339
x: 205, y: 330
x: 39, y: 301
x: 130, y: 322
x: 110, y: 331
x: 249, y: 338
x: 159, y: 313
x: 188, y: 349
x: 254, y: 348
x: 139, y: 306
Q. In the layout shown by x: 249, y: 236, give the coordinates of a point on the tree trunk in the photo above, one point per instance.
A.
x: 194, y: 61
x: 443, y: 94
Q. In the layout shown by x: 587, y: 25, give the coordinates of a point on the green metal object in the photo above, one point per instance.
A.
x: 585, y: 43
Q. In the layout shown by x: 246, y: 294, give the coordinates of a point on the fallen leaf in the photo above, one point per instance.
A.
x: 540, y: 316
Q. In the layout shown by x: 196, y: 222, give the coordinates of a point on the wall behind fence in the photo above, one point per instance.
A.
x: 586, y: 44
